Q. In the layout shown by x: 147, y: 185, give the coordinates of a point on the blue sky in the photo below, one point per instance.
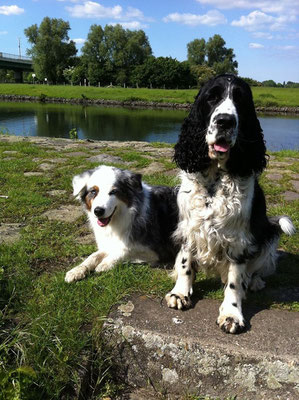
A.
x: 263, y: 33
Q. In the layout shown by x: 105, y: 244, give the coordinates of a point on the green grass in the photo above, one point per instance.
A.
x: 275, y: 97
x: 263, y: 96
x: 46, y: 326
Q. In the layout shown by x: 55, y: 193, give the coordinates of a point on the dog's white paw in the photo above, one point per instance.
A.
x: 75, y: 274
x: 104, y: 266
x: 178, y: 300
x: 231, y: 323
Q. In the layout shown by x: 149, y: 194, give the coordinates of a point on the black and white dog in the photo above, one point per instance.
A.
x: 130, y: 219
x: 223, y: 221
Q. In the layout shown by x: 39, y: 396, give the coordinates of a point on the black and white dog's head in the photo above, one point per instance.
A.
x: 107, y: 192
x: 222, y: 126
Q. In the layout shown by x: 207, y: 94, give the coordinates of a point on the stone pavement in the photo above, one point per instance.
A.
x: 184, y: 352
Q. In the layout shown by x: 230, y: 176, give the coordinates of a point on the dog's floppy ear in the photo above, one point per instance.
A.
x: 191, y: 150
x: 134, y: 181
x: 249, y: 153
x: 79, y: 183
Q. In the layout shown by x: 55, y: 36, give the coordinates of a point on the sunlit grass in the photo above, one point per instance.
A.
x: 45, y: 324
x: 263, y: 96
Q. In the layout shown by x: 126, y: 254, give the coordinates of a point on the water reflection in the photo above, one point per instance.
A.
x: 106, y: 123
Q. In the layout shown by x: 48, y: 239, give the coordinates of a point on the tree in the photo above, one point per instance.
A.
x: 212, y: 54
x: 220, y: 58
x: 51, y: 51
x: 202, y: 73
x: 269, y: 83
x: 196, y: 51
x: 111, y: 53
x: 163, y: 72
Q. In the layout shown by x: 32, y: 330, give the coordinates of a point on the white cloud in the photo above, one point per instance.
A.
x: 90, y: 9
x: 286, y: 48
x: 130, y: 25
x: 11, y: 10
x: 263, y: 35
x: 211, y: 18
x: 257, y: 20
x: 256, y: 46
x: 270, y: 6
x: 78, y: 40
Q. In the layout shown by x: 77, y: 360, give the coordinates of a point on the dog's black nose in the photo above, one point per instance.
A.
x: 226, y: 121
x: 99, y: 211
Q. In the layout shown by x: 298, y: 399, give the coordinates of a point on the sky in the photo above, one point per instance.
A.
x: 264, y: 34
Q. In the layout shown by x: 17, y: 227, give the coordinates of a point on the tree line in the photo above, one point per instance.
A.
x: 116, y: 56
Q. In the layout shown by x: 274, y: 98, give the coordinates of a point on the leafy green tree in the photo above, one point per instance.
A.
x: 269, y: 83
x: 163, y: 72
x: 202, y: 73
x: 111, y: 53
x: 196, y: 51
x: 220, y: 58
x: 212, y: 54
x: 51, y: 51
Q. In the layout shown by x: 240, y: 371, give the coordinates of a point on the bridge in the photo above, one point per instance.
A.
x: 16, y: 63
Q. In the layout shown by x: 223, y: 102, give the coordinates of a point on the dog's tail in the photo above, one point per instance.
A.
x: 284, y: 224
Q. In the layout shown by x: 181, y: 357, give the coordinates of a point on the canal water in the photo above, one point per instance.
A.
x: 115, y: 123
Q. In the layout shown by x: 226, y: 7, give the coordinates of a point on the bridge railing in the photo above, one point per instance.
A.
x: 15, y: 57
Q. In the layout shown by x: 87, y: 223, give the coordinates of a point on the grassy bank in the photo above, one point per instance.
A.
x: 49, y: 329
x: 263, y: 97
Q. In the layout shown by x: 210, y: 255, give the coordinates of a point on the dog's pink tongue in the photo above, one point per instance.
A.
x: 223, y: 147
x: 103, y: 221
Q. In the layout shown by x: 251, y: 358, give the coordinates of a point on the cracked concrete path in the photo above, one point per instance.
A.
x: 185, y: 352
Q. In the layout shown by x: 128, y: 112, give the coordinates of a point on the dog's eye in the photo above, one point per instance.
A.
x: 113, y: 191
x: 214, y: 96
x: 93, y: 192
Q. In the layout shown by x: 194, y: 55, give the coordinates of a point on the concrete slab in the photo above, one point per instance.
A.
x: 175, y: 352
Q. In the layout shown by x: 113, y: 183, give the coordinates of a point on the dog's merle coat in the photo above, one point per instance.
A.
x: 223, y: 222
x: 130, y: 219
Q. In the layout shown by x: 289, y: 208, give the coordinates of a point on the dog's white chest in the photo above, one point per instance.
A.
x: 215, y: 216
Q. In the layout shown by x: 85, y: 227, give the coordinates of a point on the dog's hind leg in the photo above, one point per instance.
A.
x: 230, y: 317
x: 180, y: 295
x: 90, y: 264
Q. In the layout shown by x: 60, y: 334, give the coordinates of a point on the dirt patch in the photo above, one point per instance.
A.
x: 10, y: 233
x: 65, y: 213
x: 290, y: 196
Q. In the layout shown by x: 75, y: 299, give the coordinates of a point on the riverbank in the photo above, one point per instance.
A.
x: 51, y: 332
x: 266, y: 99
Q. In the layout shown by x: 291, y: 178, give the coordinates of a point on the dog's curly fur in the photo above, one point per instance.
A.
x: 223, y: 222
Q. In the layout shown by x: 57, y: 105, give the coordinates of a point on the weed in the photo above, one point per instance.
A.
x: 42, y: 98
x: 73, y: 134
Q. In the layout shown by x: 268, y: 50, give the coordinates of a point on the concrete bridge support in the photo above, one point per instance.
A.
x: 18, y: 76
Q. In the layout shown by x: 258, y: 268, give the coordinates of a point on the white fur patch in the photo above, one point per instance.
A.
x: 287, y: 226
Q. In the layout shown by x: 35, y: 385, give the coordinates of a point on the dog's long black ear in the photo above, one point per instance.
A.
x: 191, y: 150
x: 249, y: 153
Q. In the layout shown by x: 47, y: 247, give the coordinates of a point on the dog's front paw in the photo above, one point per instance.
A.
x: 231, y: 323
x: 104, y: 266
x: 75, y: 274
x: 178, y: 300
